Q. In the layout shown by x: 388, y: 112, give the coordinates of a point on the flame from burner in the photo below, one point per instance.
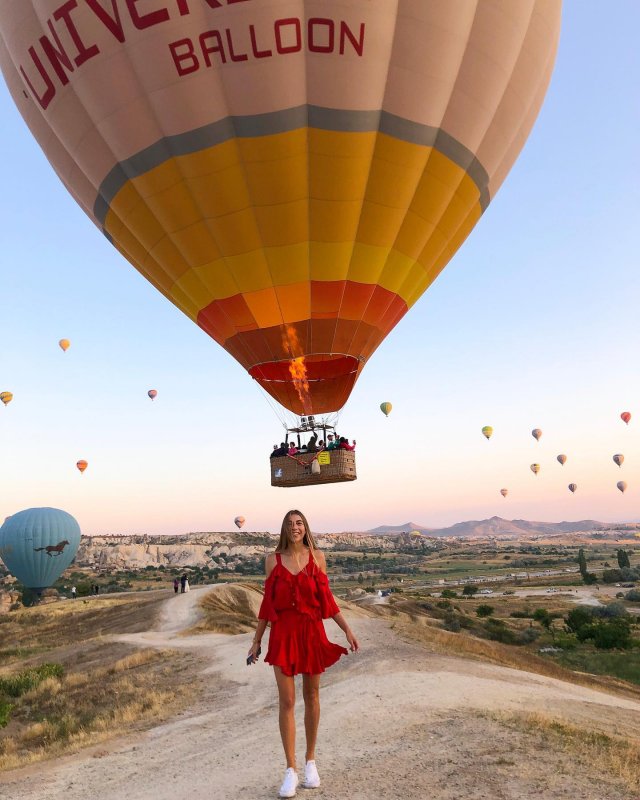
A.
x: 297, y: 367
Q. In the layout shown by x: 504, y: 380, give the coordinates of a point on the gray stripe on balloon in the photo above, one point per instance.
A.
x: 289, y: 119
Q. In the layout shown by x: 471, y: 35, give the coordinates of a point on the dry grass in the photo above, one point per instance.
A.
x: 61, y: 715
x: 229, y: 608
x: 616, y: 756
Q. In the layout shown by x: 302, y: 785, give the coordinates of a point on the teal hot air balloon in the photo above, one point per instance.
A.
x: 38, y: 544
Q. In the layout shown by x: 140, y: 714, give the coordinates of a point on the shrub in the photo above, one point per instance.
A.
x: 496, y: 630
x: 449, y: 593
x: 484, y: 610
x: 611, y: 611
x: 28, y: 679
x: 578, y: 617
x: 526, y: 614
x: 5, y: 712
x: 529, y: 635
x: 633, y: 595
x: 613, y: 634
x: 444, y: 604
x: 469, y: 591
x: 542, y: 616
x: 451, y: 622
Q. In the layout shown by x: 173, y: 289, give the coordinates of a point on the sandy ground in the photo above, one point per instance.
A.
x: 397, y: 722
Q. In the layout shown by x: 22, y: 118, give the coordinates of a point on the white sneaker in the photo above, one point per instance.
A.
x: 289, y: 784
x: 311, y: 777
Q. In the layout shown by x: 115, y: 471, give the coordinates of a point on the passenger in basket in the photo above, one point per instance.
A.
x: 312, y: 446
x: 274, y: 452
x: 331, y: 443
x: 344, y: 444
x: 292, y: 449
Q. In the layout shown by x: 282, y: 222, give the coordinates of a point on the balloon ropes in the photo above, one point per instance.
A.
x: 38, y: 544
x: 292, y: 183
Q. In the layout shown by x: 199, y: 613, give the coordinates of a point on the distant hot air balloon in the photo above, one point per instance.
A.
x: 386, y: 408
x: 152, y: 393
x: 239, y: 521
x: 536, y: 433
x: 38, y: 544
x: 6, y: 397
x: 82, y: 465
x: 504, y: 492
x: 487, y: 431
x: 298, y: 179
x: 535, y: 468
x: 625, y: 417
x: 622, y: 485
x: 618, y: 458
x: 64, y: 344
x: 573, y: 487
x: 562, y: 459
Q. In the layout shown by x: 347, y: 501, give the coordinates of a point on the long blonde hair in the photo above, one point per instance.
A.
x: 308, y: 540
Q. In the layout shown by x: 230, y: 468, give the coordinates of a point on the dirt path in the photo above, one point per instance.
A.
x: 397, y: 722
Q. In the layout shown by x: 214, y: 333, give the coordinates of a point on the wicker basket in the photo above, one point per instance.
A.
x: 296, y: 471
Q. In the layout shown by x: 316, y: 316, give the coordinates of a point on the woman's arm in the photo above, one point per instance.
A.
x: 269, y: 564
x: 339, y: 619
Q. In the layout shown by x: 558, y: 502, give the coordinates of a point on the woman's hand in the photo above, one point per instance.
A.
x: 354, y: 646
x: 253, y: 653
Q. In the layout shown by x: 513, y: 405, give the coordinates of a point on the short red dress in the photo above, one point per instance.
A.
x: 295, y: 605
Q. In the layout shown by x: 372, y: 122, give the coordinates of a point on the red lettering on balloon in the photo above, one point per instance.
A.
x: 180, y: 56
x: 280, y: 24
x: 206, y: 49
x: 347, y: 33
x: 254, y: 45
x: 111, y: 23
x: 232, y: 55
x: 57, y: 55
x: 49, y: 91
x: 146, y: 20
x: 314, y: 24
x: 84, y: 53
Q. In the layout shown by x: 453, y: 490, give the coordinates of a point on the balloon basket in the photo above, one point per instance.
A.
x: 336, y: 466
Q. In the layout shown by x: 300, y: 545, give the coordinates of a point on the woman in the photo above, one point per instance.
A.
x: 296, y: 599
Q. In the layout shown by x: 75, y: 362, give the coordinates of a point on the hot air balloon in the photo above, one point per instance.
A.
x: 239, y: 521
x: 618, y: 458
x: 64, y: 344
x: 152, y: 393
x: 536, y: 433
x: 504, y: 492
x: 562, y: 459
x: 82, y: 465
x: 572, y: 487
x: 6, y: 397
x: 487, y: 431
x: 386, y: 408
x: 622, y: 485
x: 535, y: 468
x: 296, y: 184
x: 38, y: 544
x: 625, y: 417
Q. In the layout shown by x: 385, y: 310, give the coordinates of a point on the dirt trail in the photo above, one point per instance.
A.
x: 396, y: 722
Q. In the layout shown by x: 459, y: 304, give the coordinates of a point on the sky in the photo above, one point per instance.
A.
x: 533, y: 324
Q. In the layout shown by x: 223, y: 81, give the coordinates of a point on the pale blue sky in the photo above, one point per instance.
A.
x: 533, y: 324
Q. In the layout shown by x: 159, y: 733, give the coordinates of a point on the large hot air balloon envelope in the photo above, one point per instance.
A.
x: 572, y: 487
x: 625, y: 417
x: 82, y: 465
x: 239, y: 521
x: 6, y: 397
x: 535, y: 468
x: 536, y: 433
x: 293, y: 176
x: 153, y: 393
x: 487, y: 431
x: 386, y: 408
x: 562, y: 459
x: 38, y: 544
x: 64, y: 344
x: 618, y: 458
x: 504, y: 492
x: 622, y: 485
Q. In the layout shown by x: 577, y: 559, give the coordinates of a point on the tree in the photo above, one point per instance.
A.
x: 469, y: 590
x: 623, y: 559
x: 449, y: 593
x: 582, y: 562
x: 360, y: 578
x: 484, y: 610
x: 542, y: 616
x: 577, y: 618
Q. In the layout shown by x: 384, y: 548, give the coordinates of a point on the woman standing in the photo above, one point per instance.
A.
x: 296, y: 599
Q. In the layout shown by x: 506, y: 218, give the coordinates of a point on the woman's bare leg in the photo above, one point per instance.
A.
x: 311, y: 694
x: 287, y: 696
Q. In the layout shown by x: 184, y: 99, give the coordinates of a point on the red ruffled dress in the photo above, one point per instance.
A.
x: 295, y: 605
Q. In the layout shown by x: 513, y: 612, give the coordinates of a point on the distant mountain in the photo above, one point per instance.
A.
x: 496, y: 526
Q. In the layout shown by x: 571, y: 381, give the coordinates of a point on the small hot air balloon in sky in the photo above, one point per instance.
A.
x: 573, y: 487
x: 64, y: 344
x: 625, y: 417
x: 82, y: 465
x: 487, y: 431
x: 562, y: 459
x: 38, y: 544
x: 239, y: 521
x: 504, y: 492
x: 294, y: 197
x: 622, y: 485
x: 386, y: 408
x: 536, y: 433
x: 535, y: 468
x: 6, y: 397
x: 152, y: 393
x: 618, y: 458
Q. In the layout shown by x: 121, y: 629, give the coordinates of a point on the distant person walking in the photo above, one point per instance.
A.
x: 187, y: 588
x: 176, y: 585
x: 74, y: 592
x: 296, y: 599
x: 183, y: 583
